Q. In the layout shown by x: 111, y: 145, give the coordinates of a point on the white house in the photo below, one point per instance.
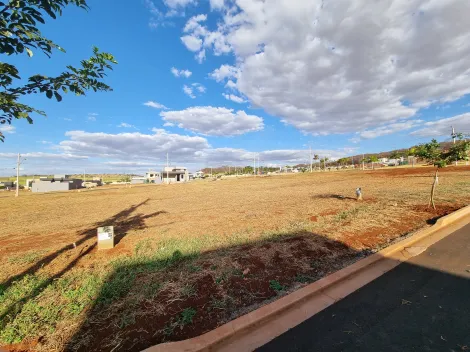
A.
x: 176, y: 174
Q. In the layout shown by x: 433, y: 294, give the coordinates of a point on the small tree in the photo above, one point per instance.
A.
x: 19, y: 35
x: 316, y: 157
x: 373, y: 159
x: 458, y: 151
x: 431, y: 153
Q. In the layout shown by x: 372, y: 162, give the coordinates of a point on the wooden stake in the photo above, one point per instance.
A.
x: 433, y: 188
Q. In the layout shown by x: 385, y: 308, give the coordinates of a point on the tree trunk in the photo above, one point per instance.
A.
x: 433, y: 188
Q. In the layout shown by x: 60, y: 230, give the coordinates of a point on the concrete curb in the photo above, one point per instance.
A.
x: 251, y: 331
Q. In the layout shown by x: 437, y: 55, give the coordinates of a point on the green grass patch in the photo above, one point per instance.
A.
x: 26, y: 258
x: 276, y: 286
x: 33, y: 305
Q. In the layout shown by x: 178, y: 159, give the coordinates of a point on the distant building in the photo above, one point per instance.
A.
x: 150, y: 177
x: 199, y: 174
x: 153, y: 177
x: 8, y: 184
x: 56, y: 183
x: 137, y: 180
x: 175, y: 174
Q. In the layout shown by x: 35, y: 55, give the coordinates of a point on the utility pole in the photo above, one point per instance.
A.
x: 18, y: 164
x: 454, y: 136
x: 18, y: 176
x: 84, y: 179
x: 363, y: 157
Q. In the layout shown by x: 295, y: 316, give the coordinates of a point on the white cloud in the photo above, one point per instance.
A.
x: 342, y: 66
x: 214, y: 121
x: 67, y: 119
x: 91, y: 118
x: 173, y: 4
x: 231, y: 84
x: 224, y: 72
x: 44, y: 156
x: 200, y: 88
x: 443, y: 127
x: 217, y: 4
x: 137, y: 152
x: 234, y: 98
x: 191, y: 42
x: 181, y: 73
x: 159, y: 14
x: 199, y: 38
x: 138, y: 146
x: 389, y: 129
x: 130, y: 164
x: 188, y: 91
x: 292, y: 156
x: 193, y: 23
x: 155, y: 105
x: 126, y: 125
x: 7, y: 129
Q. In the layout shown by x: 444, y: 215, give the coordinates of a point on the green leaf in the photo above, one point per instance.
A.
x: 58, y: 97
x: 49, y: 94
x: 29, y: 51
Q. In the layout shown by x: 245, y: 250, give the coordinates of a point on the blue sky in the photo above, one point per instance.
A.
x: 274, y: 77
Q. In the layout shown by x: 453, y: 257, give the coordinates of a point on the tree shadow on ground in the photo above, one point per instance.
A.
x: 159, y: 298
x: 333, y: 196
x: 122, y: 221
x: 176, y: 293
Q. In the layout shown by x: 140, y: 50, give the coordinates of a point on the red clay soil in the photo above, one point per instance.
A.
x: 215, y: 299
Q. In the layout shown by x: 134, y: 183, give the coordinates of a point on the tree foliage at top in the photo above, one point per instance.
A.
x: 434, y: 155
x: 20, y: 35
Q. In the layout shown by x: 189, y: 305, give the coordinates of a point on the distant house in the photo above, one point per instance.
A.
x: 150, y: 177
x: 383, y: 160
x: 199, y: 174
x: 176, y: 174
x: 56, y: 183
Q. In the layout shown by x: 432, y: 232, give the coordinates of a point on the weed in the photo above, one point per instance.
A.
x: 194, y: 268
x: 222, y: 278
x: 315, y: 265
x: 169, y: 328
x: 152, y: 288
x: 237, y: 272
x: 126, y: 320
x: 187, y: 316
x: 302, y: 278
x: 220, y: 304
x: 276, y: 286
x: 348, y: 213
x: 188, y: 291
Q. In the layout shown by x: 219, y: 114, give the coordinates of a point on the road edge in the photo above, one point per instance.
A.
x: 250, y: 331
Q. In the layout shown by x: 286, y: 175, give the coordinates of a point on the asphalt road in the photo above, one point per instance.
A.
x: 421, y: 305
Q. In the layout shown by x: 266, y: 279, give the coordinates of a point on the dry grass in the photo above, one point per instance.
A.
x: 203, y: 251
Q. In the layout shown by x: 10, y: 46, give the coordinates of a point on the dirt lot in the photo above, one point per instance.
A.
x: 190, y: 257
